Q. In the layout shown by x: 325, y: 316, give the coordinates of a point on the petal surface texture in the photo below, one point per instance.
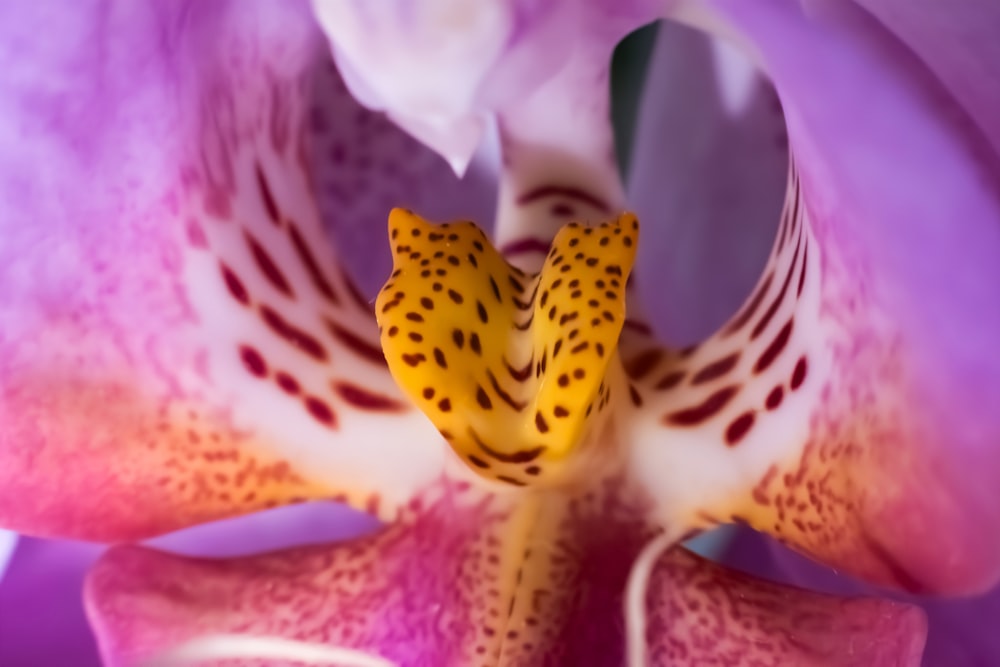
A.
x: 958, y: 42
x: 490, y: 583
x: 178, y: 342
x: 849, y: 407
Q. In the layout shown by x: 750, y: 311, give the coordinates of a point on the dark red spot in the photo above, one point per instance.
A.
x: 483, y: 399
x: 764, y: 321
x: 478, y: 462
x: 638, y: 327
x: 751, y: 307
x: 635, y: 396
x: 364, y: 399
x: 540, y: 423
x: 643, y: 364
x: 297, y: 337
x: 234, y: 285
x: 799, y: 373
x: 253, y: 361
x: 356, y: 344
x: 568, y: 192
x: 802, y: 275
x: 774, y: 349
x: 321, y: 411
x: 504, y: 396
x: 519, y: 375
x: 716, y: 369
x: 289, y: 384
x: 266, y: 196
x: 319, y: 280
x: 774, y: 398
x: 704, y: 410
x: 670, y: 380
x: 413, y: 359
x: 525, y: 246
x: 739, y: 427
x: 520, y: 456
x: 267, y: 266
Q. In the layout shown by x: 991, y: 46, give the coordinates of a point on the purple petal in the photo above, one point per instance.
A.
x: 709, y: 171
x: 958, y: 41
x: 850, y: 410
x: 41, y: 605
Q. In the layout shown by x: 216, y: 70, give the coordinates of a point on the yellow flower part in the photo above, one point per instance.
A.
x: 512, y: 368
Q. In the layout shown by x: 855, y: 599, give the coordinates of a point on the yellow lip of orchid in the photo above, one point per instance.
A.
x: 515, y: 370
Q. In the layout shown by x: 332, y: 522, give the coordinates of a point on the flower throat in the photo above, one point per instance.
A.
x: 514, y: 369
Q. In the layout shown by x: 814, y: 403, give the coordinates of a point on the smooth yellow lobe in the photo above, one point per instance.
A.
x: 510, y: 367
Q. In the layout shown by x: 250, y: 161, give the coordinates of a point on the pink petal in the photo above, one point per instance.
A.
x: 850, y: 409
x: 483, y: 581
x: 178, y: 343
x: 703, y: 614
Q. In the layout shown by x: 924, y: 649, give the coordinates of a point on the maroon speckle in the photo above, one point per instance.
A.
x: 670, y: 380
x: 568, y: 192
x: 739, y: 427
x: 288, y: 383
x: 642, y: 364
x: 320, y: 411
x: 297, y: 337
x: 267, y: 266
x: 764, y: 321
x: 234, y: 285
x: 266, y: 196
x: 361, y: 398
x: 774, y: 349
x: 802, y: 275
x: 751, y: 306
x: 562, y: 210
x: 799, y: 373
x: 309, y: 261
x: 716, y: 369
x: 774, y: 398
x: 358, y: 345
x: 253, y: 361
x: 704, y: 410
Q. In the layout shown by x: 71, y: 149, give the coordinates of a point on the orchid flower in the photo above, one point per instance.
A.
x: 180, y: 340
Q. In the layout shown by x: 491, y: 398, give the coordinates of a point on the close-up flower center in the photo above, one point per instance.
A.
x: 516, y: 370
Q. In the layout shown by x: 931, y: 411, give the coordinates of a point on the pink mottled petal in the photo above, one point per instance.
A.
x: 849, y: 408
x: 515, y: 581
x: 177, y: 342
x: 701, y: 613
x: 493, y: 582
